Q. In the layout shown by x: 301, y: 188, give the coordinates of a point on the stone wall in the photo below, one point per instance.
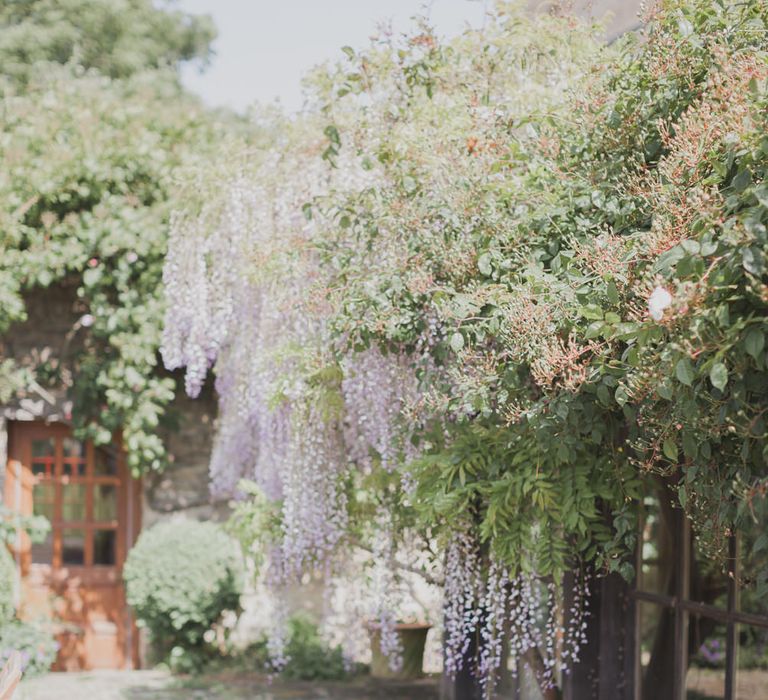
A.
x: 182, y: 489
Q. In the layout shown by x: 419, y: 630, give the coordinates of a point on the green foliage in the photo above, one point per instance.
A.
x: 35, y: 643
x: 536, y: 241
x: 180, y: 577
x: 7, y: 586
x: 116, y: 37
x: 310, y: 658
x: 36, y: 527
x: 254, y: 523
x: 540, y: 520
x: 567, y: 242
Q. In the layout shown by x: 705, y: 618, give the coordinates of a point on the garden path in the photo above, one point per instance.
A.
x: 159, y: 685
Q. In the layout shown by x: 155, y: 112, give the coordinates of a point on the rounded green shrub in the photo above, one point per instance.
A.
x: 180, y: 577
x: 7, y: 585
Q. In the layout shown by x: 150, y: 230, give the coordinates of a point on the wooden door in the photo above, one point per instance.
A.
x: 75, y: 576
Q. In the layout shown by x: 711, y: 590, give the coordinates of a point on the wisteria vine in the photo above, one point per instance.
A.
x: 457, y: 300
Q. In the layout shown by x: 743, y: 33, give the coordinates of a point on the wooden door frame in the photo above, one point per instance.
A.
x: 18, y: 498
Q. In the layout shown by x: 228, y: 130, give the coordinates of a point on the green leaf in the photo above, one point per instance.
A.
x: 761, y: 193
x: 684, y: 372
x: 484, y: 265
x: 333, y: 134
x: 685, y: 27
x: 690, y: 246
x: 627, y: 571
x: 754, y: 341
x: 457, y: 342
x: 592, y: 312
x: 752, y: 260
x: 91, y: 277
x: 669, y: 447
x: 409, y: 184
x: 593, y: 330
x: 761, y: 543
x: 690, y: 446
x: 664, y: 390
x: 718, y: 375
x: 742, y: 180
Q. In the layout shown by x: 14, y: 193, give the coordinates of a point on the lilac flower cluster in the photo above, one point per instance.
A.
x: 242, y: 287
x: 463, y: 590
x: 712, y: 651
x: 384, y: 589
x: 527, y: 613
x: 376, y: 388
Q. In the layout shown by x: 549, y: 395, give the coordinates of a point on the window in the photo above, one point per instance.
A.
x: 701, y: 628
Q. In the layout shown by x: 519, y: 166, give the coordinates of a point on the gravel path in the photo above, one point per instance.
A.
x: 159, y: 685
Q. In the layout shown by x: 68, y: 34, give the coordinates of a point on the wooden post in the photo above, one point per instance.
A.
x: 606, y: 663
x: 581, y: 682
x: 616, y: 679
x: 682, y: 592
x: 732, y: 641
x: 466, y: 685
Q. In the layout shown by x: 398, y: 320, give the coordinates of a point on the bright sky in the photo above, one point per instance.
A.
x: 264, y: 47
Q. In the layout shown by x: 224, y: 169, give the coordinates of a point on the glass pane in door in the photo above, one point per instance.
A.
x: 74, y: 457
x: 104, y: 502
x: 656, y: 648
x: 42, y: 448
x: 657, y: 546
x: 753, y: 562
x: 104, y: 547
x: 73, y: 547
x: 42, y: 499
x: 73, y: 502
x: 43, y: 456
x: 42, y: 552
x: 105, y: 463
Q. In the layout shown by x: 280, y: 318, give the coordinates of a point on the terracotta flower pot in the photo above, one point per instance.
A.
x: 413, y: 637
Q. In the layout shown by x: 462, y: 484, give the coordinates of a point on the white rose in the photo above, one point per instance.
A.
x: 659, y: 300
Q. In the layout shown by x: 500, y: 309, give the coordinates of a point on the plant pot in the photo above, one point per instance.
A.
x: 413, y: 637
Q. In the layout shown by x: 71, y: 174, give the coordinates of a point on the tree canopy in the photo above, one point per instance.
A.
x: 116, y: 37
